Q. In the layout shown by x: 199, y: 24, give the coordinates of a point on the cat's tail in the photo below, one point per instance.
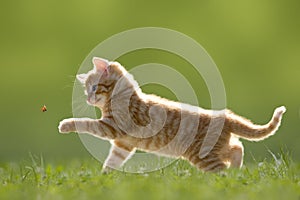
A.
x: 245, y: 129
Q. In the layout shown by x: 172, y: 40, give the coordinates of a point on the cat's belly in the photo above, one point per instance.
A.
x: 172, y: 144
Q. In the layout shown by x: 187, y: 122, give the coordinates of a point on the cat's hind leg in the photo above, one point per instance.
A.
x: 236, y: 156
x: 233, y: 153
x: 117, y: 156
x: 210, y: 163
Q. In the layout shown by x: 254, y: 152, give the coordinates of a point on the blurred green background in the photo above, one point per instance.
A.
x: 255, y: 45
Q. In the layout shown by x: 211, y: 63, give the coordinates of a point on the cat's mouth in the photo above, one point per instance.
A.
x: 94, y: 101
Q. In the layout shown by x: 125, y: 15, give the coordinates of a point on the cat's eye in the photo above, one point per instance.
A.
x: 94, y: 88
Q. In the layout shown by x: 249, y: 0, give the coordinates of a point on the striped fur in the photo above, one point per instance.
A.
x: 133, y: 120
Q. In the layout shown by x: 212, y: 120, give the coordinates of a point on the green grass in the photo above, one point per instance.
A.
x: 35, y: 179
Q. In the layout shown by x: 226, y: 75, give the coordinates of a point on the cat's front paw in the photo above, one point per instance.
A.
x: 67, y: 126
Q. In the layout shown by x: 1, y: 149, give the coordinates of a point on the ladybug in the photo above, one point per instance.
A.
x: 44, y: 108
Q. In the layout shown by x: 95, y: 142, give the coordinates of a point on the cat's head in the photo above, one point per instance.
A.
x: 101, y: 81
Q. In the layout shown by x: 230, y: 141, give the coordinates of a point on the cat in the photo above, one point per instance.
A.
x: 132, y: 120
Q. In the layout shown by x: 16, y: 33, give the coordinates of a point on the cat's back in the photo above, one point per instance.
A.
x: 174, y: 106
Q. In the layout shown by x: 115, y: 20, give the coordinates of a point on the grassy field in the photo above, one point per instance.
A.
x: 278, y: 178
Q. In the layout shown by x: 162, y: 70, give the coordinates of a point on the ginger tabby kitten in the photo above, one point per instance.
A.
x: 133, y: 120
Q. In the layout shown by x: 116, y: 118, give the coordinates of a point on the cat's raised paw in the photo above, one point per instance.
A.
x: 66, y: 126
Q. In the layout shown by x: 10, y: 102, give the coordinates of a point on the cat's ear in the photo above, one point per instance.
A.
x: 100, y: 65
x: 81, y: 78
